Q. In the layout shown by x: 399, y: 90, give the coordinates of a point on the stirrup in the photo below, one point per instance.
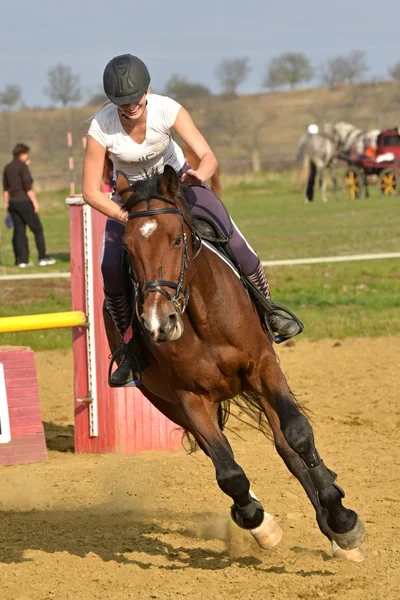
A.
x: 275, y: 308
x: 135, y: 382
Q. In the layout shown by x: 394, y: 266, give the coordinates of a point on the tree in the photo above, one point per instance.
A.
x: 347, y: 69
x: 288, y: 69
x: 10, y: 96
x: 178, y: 86
x: 394, y: 71
x: 64, y: 86
x: 231, y: 74
x: 97, y: 97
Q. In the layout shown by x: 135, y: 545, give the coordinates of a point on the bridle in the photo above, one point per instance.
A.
x: 180, y: 298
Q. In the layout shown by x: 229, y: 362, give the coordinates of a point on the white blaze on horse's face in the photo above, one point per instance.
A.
x: 148, y: 228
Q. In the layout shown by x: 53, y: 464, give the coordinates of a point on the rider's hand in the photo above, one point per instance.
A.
x: 35, y: 206
x: 191, y: 176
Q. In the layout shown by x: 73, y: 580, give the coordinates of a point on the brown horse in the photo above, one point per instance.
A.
x: 206, y: 345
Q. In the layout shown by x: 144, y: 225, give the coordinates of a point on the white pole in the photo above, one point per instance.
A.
x: 90, y: 332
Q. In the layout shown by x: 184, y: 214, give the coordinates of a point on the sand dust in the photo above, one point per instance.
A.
x: 156, y: 526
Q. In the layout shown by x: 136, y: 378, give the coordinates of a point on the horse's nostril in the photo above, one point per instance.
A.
x: 169, y: 323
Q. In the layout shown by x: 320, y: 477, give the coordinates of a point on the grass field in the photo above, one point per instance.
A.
x: 334, y: 300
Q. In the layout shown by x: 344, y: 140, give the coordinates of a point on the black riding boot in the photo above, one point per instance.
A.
x: 132, y: 360
x: 281, y: 322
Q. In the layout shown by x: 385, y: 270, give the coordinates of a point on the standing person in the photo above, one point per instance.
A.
x: 20, y: 200
x: 136, y: 129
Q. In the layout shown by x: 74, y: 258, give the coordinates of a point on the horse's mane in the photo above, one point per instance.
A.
x: 150, y: 187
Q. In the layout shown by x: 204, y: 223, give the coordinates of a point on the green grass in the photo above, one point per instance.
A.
x: 334, y: 300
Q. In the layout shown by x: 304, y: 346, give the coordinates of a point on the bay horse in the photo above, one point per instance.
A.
x: 205, y: 344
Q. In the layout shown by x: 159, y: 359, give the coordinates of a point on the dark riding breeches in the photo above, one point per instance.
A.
x: 204, y: 203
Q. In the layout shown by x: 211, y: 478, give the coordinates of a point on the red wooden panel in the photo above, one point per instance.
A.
x: 27, y: 435
x: 21, y: 383
x: 18, y: 459
x: 25, y: 411
x: 19, y: 374
x: 22, y: 396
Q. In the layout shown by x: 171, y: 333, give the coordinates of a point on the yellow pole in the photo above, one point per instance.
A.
x: 44, y: 321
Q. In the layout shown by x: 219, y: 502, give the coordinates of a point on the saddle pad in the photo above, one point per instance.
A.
x: 222, y: 257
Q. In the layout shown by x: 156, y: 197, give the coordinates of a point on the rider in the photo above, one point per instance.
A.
x: 135, y: 128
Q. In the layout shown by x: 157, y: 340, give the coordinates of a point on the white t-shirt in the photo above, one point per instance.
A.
x: 158, y: 148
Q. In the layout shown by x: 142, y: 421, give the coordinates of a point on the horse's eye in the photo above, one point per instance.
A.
x: 177, y: 242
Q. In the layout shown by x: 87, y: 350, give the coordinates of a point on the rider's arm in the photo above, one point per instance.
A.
x: 216, y: 183
x: 188, y: 131
x: 93, y: 165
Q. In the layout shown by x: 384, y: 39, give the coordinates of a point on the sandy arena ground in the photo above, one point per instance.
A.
x: 156, y: 526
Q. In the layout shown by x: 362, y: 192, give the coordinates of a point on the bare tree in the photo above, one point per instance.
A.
x: 347, y: 69
x: 394, y: 71
x: 231, y: 74
x: 288, y: 69
x: 178, y: 86
x: 64, y: 86
x: 10, y: 96
x: 97, y: 97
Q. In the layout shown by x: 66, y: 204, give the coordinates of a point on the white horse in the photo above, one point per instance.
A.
x: 348, y: 137
x: 352, y: 142
x: 315, y: 153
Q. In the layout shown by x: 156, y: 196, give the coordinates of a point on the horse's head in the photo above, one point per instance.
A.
x: 161, y: 242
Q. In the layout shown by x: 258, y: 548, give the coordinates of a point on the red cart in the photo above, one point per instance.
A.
x: 385, y: 164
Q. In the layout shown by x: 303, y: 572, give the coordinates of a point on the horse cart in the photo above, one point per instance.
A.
x: 383, y: 162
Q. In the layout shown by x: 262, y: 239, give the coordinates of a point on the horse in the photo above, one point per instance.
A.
x: 352, y: 142
x: 350, y: 138
x: 205, y: 345
x: 315, y: 153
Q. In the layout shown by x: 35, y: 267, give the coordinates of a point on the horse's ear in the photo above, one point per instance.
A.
x: 169, y: 182
x: 121, y: 184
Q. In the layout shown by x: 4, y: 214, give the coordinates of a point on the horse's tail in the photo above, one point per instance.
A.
x: 303, y: 162
x: 307, y: 170
x: 250, y: 413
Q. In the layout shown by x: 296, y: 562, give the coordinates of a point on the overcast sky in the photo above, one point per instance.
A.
x: 189, y: 38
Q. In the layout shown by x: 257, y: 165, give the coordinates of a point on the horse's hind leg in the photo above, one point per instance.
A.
x: 309, y: 195
x: 247, y: 511
x: 338, y: 523
x: 322, y: 183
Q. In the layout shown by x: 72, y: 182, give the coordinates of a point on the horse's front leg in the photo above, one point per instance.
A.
x: 332, y: 167
x: 246, y: 511
x: 366, y: 185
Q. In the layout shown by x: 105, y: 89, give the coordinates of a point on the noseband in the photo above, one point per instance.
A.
x: 181, y: 296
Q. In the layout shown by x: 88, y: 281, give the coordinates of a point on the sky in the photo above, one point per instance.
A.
x: 191, y: 39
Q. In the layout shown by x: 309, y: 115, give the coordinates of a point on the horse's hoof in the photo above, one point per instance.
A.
x: 354, y: 555
x: 269, y: 533
x: 351, y: 539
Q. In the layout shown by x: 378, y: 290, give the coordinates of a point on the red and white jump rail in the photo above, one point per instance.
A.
x: 106, y: 419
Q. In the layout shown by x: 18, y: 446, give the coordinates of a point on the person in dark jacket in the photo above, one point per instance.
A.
x: 20, y: 201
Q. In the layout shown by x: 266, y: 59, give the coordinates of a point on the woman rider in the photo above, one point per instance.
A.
x: 136, y: 130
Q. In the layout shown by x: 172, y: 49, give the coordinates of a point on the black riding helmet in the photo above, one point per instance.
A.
x: 125, y: 79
